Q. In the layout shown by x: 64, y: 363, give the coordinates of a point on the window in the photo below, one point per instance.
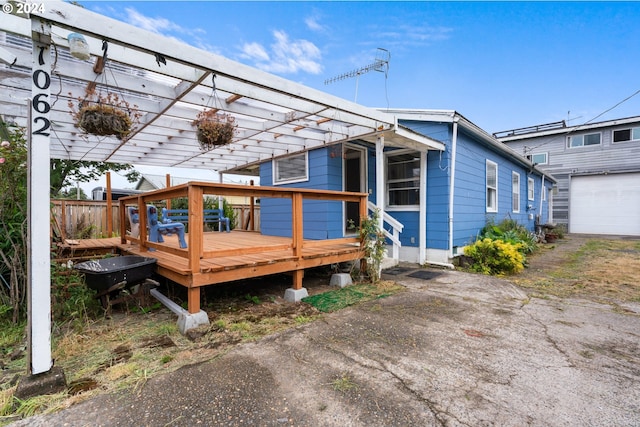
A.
x: 291, y: 169
x: 492, y: 186
x: 531, y: 190
x: 403, y: 179
x: 583, y: 140
x: 622, y: 135
x: 538, y: 159
x: 515, y: 191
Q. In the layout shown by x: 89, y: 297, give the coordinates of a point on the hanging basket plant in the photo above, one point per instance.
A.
x: 214, y: 129
x: 105, y: 115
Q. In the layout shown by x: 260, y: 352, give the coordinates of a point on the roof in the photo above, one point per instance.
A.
x: 171, y: 82
x: 160, y: 181
x: 566, y: 130
x: 451, y: 116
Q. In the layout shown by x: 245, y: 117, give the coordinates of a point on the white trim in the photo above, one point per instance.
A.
x: 531, y: 189
x: 422, y: 216
x: 363, y: 179
x: 515, y: 196
x: 393, y: 153
x: 630, y: 129
x: 490, y: 209
x: 583, y: 135
x: 274, y: 169
x: 452, y: 184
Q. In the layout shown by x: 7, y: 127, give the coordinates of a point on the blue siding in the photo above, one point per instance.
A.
x: 322, y: 219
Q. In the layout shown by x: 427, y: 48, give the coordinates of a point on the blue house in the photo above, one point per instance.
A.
x: 436, y: 185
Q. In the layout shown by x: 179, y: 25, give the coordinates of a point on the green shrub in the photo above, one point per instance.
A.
x: 496, y: 257
x: 511, y: 232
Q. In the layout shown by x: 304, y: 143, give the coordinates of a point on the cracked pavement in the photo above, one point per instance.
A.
x: 456, y: 350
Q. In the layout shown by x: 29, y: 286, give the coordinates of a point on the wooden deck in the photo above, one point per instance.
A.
x: 217, y: 257
x: 242, y: 254
x: 226, y: 257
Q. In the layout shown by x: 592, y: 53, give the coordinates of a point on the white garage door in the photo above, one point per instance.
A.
x: 605, y: 204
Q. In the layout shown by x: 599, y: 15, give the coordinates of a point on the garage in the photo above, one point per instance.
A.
x: 605, y: 204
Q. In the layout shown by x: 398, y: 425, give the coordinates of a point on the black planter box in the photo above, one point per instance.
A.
x: 102, y: 274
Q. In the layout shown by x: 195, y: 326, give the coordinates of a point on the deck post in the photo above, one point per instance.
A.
x: 297, y: 292
x: 109, y: 207
x: 193, y: 303
x: 122, y: 212
x: 364, y: 211
x: 195, y: 243
x: 142, y: 213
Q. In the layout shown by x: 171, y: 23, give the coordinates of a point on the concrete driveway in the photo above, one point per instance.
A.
x: 455, y: 349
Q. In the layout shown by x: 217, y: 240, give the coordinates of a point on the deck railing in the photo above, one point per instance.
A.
x: 195, y: 191
x: 88, y: 219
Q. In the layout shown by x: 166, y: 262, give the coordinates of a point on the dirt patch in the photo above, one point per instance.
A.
x: 594, y: 267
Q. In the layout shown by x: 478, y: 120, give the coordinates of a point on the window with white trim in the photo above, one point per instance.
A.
x: 623, y: 135
x: 538, y: 159
x: 492, y: 186
x: 515, y: 192
x: 291, y: 169
x: 531, y: 190
x: 583, y: 140
x: 403, y: 179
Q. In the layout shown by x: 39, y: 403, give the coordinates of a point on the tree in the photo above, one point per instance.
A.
x: 72, y: 194
x: 66, y: 173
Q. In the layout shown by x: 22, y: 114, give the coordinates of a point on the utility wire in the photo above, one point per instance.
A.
x: 576, y: 128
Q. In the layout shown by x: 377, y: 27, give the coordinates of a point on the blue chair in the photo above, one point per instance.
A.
x: 157, y: 229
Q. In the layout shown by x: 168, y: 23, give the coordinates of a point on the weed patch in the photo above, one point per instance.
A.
x: 341, y: 298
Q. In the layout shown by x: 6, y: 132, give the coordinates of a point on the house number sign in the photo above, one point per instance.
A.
x: 40, y: 101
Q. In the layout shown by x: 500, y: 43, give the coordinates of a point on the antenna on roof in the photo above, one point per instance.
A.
x: 381, y: 64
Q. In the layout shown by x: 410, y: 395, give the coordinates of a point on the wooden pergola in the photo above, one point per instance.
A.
x: 170, y: 82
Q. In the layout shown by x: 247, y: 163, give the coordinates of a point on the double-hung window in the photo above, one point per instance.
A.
x: 583, y: 140
x: 515, y: 192
x: 492, y: 186
x: 403, y: 179
x: 531, y: 190
x: 291, y: 169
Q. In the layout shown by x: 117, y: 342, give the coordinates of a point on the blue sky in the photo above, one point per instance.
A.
x: 502, y: 65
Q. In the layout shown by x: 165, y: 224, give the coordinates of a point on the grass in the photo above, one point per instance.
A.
x: 341, y: 298
x: 601, y: 269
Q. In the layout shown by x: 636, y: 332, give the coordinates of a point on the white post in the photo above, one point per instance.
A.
x: 380, y: 187
x: 38, y: 212
x: 422, y: 228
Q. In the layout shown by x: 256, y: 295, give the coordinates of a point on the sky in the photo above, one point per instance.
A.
x: 502, y: 65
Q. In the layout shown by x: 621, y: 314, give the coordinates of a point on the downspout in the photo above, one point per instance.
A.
x: 422, y: 228
x: 454, y: 142
x: 541, y: 197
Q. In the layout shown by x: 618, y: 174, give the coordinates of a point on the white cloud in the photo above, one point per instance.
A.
x: 290, y: 56
x: 313, y: 24
x: 254, y: 51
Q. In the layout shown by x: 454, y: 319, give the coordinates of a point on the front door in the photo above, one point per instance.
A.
x: 354, y: 166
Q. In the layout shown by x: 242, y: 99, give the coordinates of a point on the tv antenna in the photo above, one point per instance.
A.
x: 381, y: 64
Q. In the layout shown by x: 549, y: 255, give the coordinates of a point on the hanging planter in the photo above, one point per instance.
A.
x: 214, y: 129
x: 105, y: 115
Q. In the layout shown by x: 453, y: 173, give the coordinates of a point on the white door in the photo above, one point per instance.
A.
x: 354, y: 179
x: 605, y: 204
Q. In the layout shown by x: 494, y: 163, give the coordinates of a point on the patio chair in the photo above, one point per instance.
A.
x: 134, y: 220
x: 157, y: 229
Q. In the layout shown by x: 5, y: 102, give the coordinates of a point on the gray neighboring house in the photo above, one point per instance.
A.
x: 597, y: 168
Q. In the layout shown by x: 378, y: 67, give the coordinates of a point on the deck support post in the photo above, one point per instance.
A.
x: 193, y: 300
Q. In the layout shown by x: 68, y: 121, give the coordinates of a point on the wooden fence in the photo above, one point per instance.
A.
x: 88, y: 219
